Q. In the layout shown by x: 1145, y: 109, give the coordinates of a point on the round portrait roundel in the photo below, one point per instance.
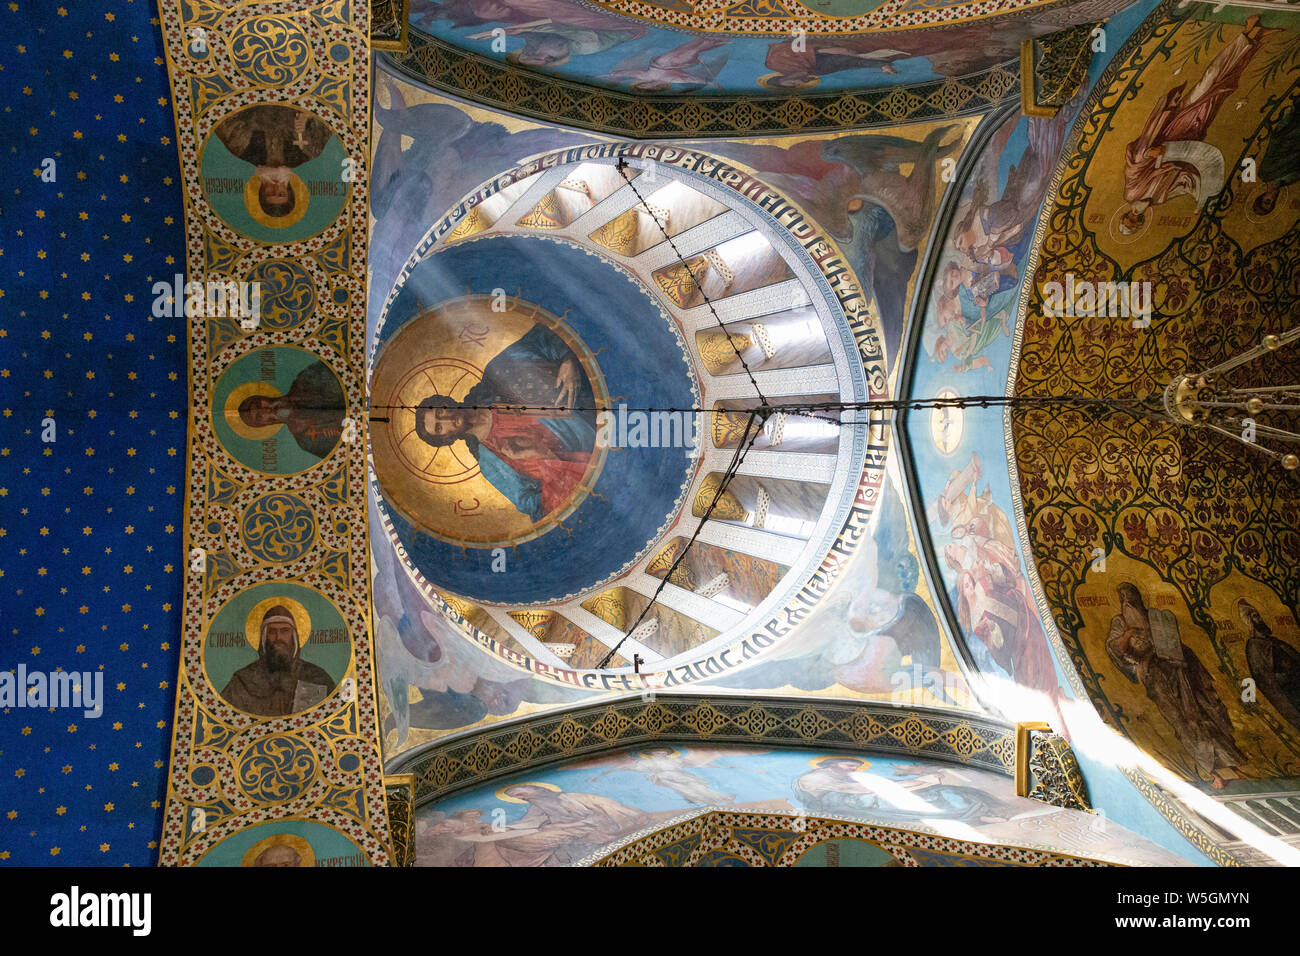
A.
x: 446, y: 456
x: 279, y: 410
x: 530, y: 413
x: 286, y: 843
x: 276, y: 649
x: 275, y: 172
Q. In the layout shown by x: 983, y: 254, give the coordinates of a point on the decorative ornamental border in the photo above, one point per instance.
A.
x: 766, y: 17
x: 444, y: 67
x: 399, y: 789
x: 838, y: 284
x: 1046, y: 768
x: 713, y: 829
x: 231, y: 770
x: 474, y: 757
x: 389, y: 22
x: 1056, y: 65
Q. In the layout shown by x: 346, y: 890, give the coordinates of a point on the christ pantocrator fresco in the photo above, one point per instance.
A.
x: 537, y: 454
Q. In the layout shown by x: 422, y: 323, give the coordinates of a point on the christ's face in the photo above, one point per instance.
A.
x: 450, y: 422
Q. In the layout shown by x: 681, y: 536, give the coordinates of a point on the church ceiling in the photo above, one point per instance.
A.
x: 1168, y: 554
x: 458, y: 651
x: 807, y: 189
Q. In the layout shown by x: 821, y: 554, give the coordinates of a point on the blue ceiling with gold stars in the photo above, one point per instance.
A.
x: 91, y: 522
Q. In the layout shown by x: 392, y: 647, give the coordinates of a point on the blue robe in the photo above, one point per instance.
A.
x: 524, y: 373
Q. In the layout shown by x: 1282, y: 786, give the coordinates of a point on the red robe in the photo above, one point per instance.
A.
x: 1174, y: 119
x: 558, y: 470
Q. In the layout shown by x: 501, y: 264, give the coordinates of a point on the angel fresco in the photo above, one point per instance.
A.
x: 797, y: 66
x: 878, y: 160
x: 971, y: 314
x: 1170, y: 157
x: 979, y: 284
x: 844, y: 786
x: 992, y: 596
x: 558, y: 828
x: 1145, y: 646
x: 836, y: 786
x: 437, y: 842
x: 831, y: 189
x: 670, y: 767
x: 886, y: 214
x: 993, y: 233
x: 955, y: 793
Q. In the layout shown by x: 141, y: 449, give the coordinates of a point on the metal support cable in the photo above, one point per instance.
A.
x: 622, y: 168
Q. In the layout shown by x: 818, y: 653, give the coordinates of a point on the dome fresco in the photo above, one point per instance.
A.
x: 647, y: 432
x: 592, y: 508
x: 561, y: 584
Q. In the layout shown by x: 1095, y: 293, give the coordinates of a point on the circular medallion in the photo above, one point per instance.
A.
x: 947, y: 422
x: 440, y: 374
x: 286, y: 843
x: 274, y: 172
x: 278, y: 528
x: 276, y: 649
x: 278, y: 410
x: 511, y: 409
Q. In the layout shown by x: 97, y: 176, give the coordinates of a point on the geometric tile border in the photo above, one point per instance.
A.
x: 475, y: 757
x: 778, y: 839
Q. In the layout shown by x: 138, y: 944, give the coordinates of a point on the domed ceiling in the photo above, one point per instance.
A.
x: 559, y: 381
x: 803, y: 581
x: 454, y: 504
x: 517, y: 263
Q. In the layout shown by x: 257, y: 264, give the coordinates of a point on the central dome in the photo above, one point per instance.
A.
x: 562, y: 376
x: 555, y: 496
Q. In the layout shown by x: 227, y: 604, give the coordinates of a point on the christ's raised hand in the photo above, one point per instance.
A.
x: 566, y: 380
